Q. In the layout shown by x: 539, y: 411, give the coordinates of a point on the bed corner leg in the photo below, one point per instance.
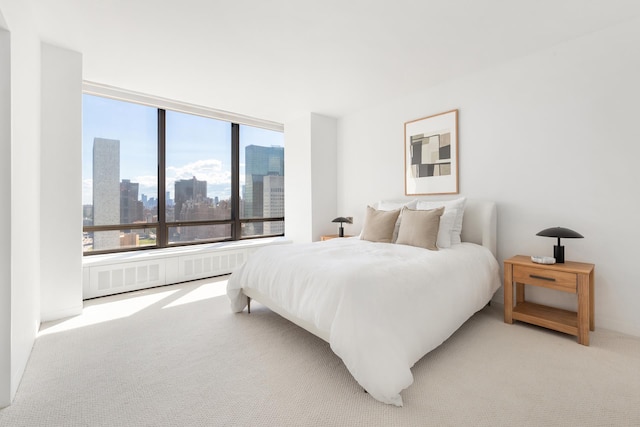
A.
x: 248, y: 305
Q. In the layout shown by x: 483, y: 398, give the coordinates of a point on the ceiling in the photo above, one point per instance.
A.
x: 280, y: 59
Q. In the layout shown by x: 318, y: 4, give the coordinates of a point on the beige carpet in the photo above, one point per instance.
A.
x: 177, y: 356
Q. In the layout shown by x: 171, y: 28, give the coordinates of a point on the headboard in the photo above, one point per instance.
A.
x: 479, y: 224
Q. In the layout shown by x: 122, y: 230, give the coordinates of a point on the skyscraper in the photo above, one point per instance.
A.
x: 131, y: 209
x: 259, y: 163
x: 106, y: 191
x: 273, y: 203
x: 189, y: 191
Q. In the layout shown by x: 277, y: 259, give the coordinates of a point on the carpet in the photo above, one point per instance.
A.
x: 177, y: 356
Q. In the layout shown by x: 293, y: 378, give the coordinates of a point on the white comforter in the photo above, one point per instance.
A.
x: 383, y: 305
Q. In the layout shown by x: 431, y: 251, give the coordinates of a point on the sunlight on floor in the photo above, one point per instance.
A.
x: 202, y: 292
x: 97, y: 311
x: 115, y: 307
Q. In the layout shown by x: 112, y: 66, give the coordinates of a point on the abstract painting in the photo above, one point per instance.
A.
x: 431, y: 154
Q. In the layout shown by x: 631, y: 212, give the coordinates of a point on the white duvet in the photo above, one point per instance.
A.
x: 383, y: 305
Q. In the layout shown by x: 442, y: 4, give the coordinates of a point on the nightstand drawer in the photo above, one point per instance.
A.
x: 544, y: 277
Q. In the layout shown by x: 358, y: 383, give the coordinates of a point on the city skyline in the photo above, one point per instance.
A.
x: 119, y: 202
x: 135, y: 126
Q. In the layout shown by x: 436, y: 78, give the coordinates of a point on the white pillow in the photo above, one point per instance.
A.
x: 444, y: 230
x: 457, y: 204
x: 392, y: 205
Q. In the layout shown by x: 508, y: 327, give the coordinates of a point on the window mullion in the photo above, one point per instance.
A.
x: 162, y: 239
x: 236, y: 231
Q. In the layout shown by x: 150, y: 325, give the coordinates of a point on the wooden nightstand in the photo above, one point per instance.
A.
x: 573, y: 277
x: 331, y: 236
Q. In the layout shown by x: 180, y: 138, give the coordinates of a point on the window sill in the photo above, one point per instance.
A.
x: 152, y: 254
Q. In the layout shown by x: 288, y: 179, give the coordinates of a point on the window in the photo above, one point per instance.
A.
x: 198, y: 177
x: 262, y: 180
x: 119, y: 171
x: 154, y: 178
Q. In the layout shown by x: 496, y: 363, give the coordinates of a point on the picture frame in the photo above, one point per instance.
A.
x: 431, y: 155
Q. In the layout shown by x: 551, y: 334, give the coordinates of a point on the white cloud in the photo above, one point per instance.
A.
x: 146, y: 181
x: 210, y: 170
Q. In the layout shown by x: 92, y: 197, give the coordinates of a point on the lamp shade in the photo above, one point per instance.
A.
x: 342, y: 219
x: 559, y: 232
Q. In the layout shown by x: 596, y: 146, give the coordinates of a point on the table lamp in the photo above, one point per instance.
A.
x: 341, y: 220
x: 559, y: 232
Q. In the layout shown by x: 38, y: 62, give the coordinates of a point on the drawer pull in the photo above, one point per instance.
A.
x: 550, y: 279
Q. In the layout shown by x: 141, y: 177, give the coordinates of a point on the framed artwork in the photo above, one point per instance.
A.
x: 431, y: 155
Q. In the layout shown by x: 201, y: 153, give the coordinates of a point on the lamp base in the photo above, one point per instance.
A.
x: 558, y: 254
x: 341, y: 232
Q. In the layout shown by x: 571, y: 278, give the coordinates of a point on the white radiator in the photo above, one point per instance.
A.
x: 208, y: 265
x: 115, y: 273
x: 122, y: 277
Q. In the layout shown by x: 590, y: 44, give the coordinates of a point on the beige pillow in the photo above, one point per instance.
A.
x: 448, y: 205
x: 420, y: 228
x: 384, y: 205
x: 379, y: 225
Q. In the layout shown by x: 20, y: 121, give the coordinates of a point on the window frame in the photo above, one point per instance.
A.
x: 162, y: 226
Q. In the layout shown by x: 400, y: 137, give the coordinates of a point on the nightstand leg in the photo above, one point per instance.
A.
x: 519, y: 293
x: 508, y: 293
x: 584, y: 308
x: 592, y: 304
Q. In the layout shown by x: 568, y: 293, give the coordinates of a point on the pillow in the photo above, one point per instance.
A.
x: 444, y: 230
x: 420, y: 228
x: 390, y: 205
x: 448, y: 205
x: 379, y: 225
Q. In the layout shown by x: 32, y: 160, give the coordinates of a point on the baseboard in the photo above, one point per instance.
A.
x: 617, y: 325
x: 61, y: 314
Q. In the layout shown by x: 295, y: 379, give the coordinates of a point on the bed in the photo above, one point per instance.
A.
x: 380, y: 306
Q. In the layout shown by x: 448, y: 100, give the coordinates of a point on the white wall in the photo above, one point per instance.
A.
x: 61, y: 191
x: 23, y: 194
x: 297, y: 179
x: 310, y: 177
x: 323, y: 175
x: 5, y: 216
x: 552, y: 137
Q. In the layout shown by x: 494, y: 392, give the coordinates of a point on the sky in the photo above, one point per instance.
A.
x: 195, y: 146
